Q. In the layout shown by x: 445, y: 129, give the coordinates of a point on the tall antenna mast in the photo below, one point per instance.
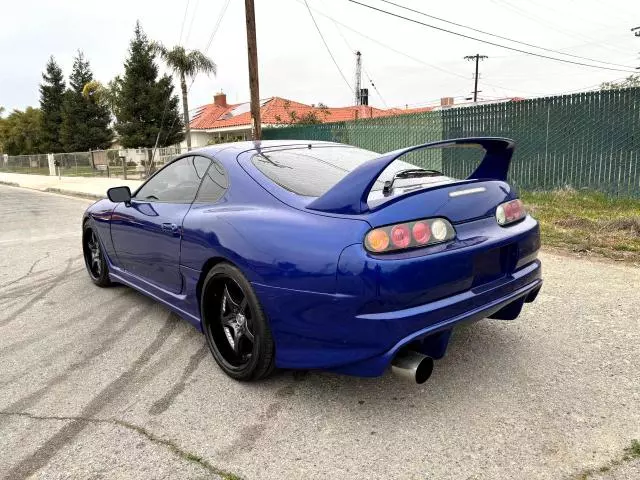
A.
x: 358, y: 81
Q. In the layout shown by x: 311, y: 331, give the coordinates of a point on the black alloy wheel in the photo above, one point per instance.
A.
x: 236, y: 329
x: 94, y: 258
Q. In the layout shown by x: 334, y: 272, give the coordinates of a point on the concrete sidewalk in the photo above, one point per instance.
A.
x: 91, y: 187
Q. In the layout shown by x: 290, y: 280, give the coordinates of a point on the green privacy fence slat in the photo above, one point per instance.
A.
x: 586, y: 140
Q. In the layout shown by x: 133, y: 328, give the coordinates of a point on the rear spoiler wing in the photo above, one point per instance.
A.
x: 349, y: 195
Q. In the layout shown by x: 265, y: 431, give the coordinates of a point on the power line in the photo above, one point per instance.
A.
x: 410, y: 57
x: 351, y: 49
x: 363, y: 68
x: 327, y: 47
x: 523, y: 13
x: 166, y: 103
x: 402, y: 53
x: 575, y: 13
x: 211, y: 37
x: 538, y: 94
x: 485, y: 41
x: 216, y: 27
x: 193, y: 16
x: 395, y: 50
x: 500, y: 36
x: 374, y: 87
x: 184, y: 19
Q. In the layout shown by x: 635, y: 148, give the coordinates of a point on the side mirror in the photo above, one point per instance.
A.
x: 119, y: 194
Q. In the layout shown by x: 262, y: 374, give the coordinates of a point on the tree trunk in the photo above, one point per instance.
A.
x: 185, y: 110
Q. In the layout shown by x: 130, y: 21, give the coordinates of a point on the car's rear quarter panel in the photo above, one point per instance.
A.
x: 277, y: 246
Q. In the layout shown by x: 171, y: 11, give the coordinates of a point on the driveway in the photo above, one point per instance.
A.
x: 105, y: 383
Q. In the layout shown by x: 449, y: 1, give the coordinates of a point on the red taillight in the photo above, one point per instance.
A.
x: 421, y: 232
x: 510, y: 212
x: 402, y: 236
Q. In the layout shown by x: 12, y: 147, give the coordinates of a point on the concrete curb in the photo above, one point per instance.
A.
x: 93, y: 188
x: 10, y: 184
x: 73, y: 193
x: 57, y: 191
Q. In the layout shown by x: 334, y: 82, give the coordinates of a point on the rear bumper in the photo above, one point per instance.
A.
x: 421, y: 339
x: 314, y: 330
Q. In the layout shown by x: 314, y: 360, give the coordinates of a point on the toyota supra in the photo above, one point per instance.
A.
x: 318, y: 255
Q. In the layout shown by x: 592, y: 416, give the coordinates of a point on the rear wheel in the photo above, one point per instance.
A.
x: 236, y: 329
x: 94, y: 257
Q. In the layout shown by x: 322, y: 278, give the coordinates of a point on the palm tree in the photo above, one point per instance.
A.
x: 186, y: 64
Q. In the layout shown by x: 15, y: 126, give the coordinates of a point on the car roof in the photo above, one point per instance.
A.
x: 235, y: 148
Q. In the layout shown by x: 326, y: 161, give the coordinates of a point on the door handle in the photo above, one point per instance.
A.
x: 171, y: 228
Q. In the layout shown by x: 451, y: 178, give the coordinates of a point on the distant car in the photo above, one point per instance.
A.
x: 318, y: 255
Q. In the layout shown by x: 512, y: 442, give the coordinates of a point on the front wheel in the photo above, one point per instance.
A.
x: 236, y: 329
x: 94, y: 257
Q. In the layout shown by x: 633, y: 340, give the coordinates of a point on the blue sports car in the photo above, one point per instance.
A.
x: 318, y: 255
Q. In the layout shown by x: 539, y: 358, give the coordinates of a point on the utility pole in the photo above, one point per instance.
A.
x: 252, y: 51
x: 477, y: 57
x: 358, y: 80
x: 636, y: 31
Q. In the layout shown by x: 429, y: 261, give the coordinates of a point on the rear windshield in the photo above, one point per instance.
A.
x: 313, y: 171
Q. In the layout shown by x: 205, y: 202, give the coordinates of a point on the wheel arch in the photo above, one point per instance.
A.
x: 206, y: 268
x: 208, y: 265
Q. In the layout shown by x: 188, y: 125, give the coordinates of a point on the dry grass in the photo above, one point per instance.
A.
x: 588, y: 222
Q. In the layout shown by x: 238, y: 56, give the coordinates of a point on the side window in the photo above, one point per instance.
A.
x: 201, y: 164
x: 176, y: 183
x: 214, y: 185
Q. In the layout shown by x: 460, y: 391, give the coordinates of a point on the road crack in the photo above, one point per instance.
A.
x: 33, y: 265
x: 150, y: 436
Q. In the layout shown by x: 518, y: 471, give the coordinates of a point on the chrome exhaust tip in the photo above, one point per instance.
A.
x: 412, y: 366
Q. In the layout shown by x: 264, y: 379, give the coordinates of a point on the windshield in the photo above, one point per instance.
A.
x: 313, y: 171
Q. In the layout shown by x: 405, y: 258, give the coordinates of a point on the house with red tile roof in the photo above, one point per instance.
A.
x: 220, y: 122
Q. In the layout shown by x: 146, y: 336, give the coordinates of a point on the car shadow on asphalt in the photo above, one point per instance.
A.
x: 479, y: 353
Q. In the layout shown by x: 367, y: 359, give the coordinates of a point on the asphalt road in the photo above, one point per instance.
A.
x: 105, y: 383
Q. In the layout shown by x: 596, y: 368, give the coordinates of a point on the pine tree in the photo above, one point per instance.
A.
x: 51, y: 100
x: 146, y: 105
x: 85, y: 121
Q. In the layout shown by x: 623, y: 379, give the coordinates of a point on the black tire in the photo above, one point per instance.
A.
x: 235, y: 326
x: 94, y: 260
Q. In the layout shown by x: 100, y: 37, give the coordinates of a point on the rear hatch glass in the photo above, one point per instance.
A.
x: 313, y: 171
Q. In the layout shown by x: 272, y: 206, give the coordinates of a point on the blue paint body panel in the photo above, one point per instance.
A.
x: 330, y: 303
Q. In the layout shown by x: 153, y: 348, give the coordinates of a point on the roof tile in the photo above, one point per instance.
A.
x: 276, y: 111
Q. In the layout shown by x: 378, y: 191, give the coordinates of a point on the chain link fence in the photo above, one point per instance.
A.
x: 583, y: 141
x: 131, y: 163
x: 37, y: 164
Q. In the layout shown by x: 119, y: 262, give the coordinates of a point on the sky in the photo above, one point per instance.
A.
x: 411, y: 65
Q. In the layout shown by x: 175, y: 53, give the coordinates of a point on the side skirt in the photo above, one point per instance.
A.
x: 166, y: 298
